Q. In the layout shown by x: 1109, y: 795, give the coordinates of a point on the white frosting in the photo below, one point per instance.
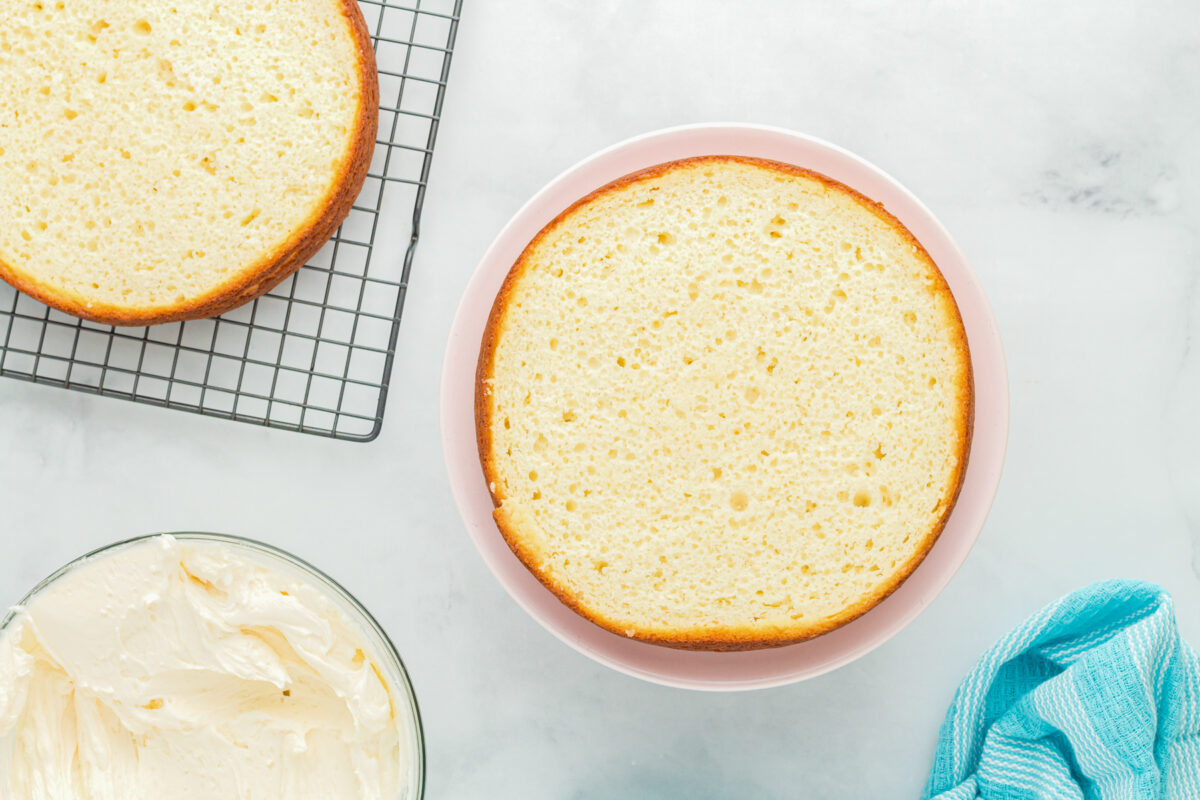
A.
x: 182, y: 669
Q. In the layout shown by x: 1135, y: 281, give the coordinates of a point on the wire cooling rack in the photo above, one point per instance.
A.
x: 315, y: 354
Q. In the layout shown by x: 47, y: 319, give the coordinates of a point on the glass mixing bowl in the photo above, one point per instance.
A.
x: 275, y: 558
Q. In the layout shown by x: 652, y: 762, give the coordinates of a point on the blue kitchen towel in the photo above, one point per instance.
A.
x: 1095, y: 697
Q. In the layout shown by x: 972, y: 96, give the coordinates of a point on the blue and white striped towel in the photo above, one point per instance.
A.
x: 1095, y: 697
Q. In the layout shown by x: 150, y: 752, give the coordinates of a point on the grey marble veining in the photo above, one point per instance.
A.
x: 1183, y: 414
x: 1059, y: 143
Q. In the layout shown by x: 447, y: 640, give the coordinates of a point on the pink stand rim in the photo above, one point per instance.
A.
x: 760, y: 668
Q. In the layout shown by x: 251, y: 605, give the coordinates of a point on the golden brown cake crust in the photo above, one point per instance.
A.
x: 258, y: 279
x: 727, y: 638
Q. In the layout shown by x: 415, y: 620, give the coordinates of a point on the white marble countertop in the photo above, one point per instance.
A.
x: 1059, y: 143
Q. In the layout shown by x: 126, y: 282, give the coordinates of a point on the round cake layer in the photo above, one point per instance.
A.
x: 164, y: 161
x: 723, y: 404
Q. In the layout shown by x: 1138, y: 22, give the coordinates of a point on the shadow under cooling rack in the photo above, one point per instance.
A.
x: 315, y: 354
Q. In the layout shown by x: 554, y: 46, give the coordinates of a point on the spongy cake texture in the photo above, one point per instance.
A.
x: 723, y: 404
x: 164, y: 161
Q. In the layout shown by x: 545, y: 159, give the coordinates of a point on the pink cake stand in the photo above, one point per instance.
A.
x: 760, y: 668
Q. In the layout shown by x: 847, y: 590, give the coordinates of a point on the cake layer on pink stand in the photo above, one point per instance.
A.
x: 758, y: 668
